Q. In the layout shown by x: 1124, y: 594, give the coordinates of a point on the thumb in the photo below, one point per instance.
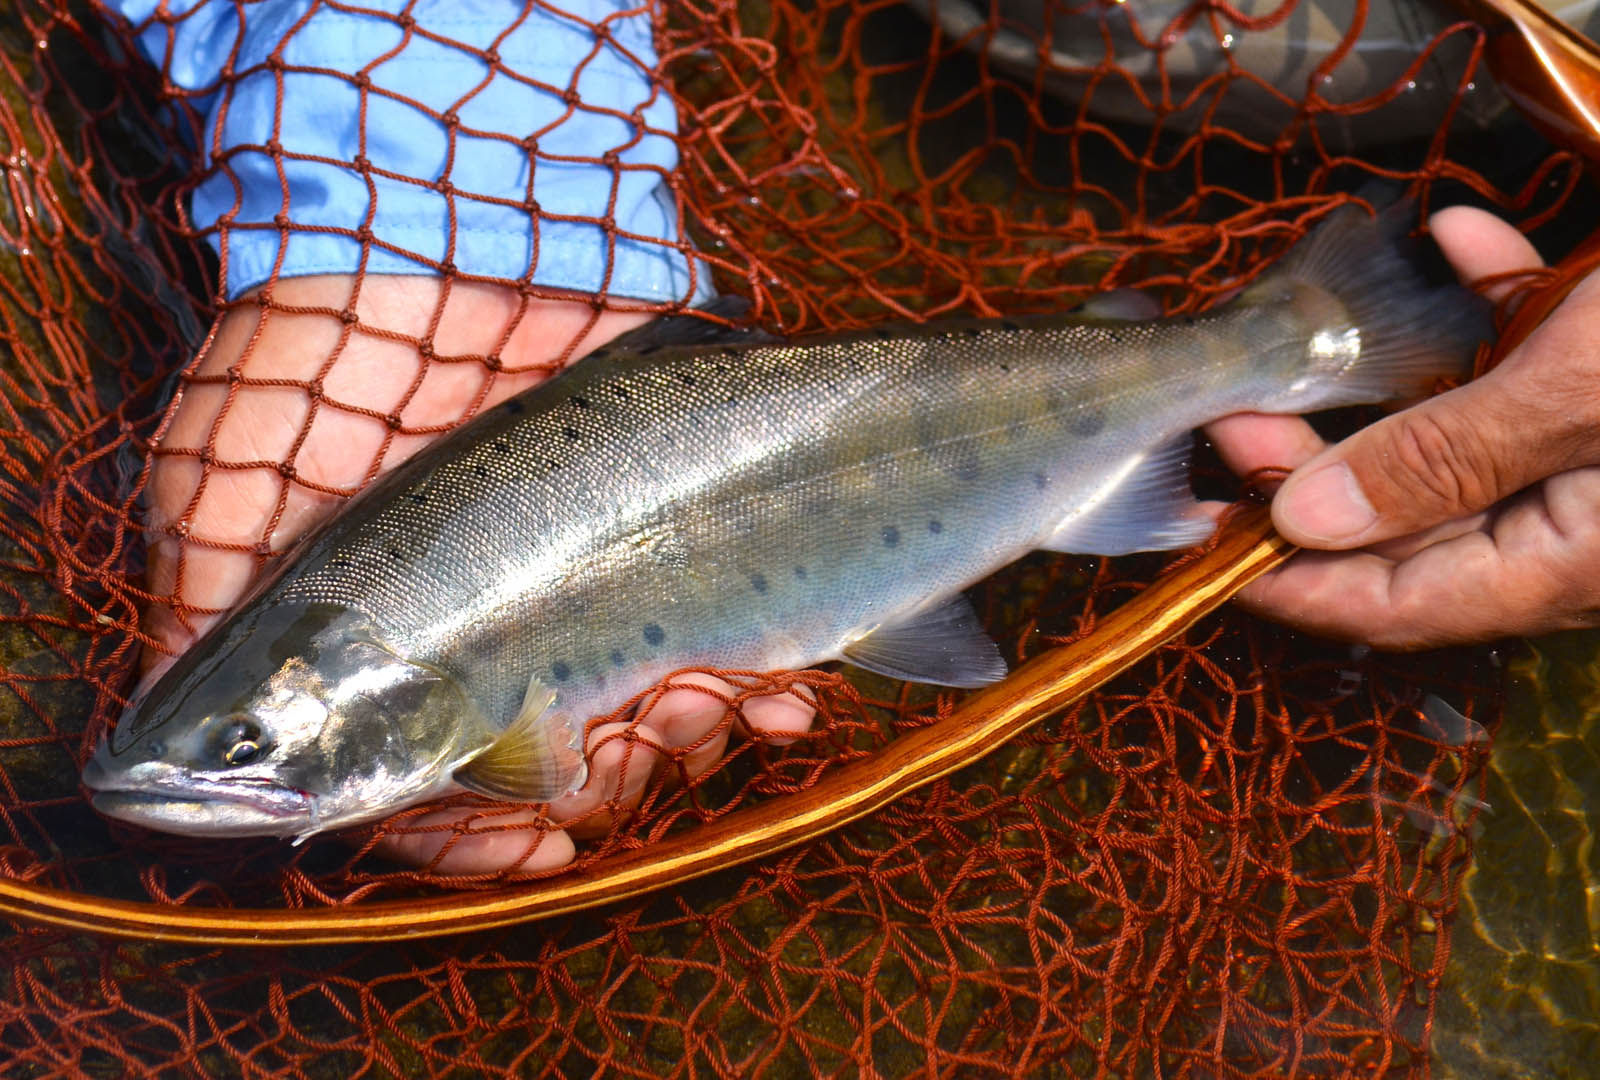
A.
x: 1448, y: 457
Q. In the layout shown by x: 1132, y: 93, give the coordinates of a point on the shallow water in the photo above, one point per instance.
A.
x: 1522, y: 993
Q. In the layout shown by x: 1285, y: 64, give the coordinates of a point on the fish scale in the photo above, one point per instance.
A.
x: 567, y: 530
x: 752, y: 505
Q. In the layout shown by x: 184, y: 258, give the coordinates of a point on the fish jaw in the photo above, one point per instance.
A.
x: 169, y: 799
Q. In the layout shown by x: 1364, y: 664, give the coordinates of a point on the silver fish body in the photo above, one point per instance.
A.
x: 759, y: 505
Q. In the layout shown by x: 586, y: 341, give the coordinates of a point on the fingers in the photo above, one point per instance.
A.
x: 690, y: 715
x: 1250, y: 442
x: 473, y: 840
x: 688, y: 724
x: 1458, y: 454
x: 1525, y: 570
x: 1480, y: 245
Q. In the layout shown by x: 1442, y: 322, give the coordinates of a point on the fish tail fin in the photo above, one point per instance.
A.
x: 1396, y: 334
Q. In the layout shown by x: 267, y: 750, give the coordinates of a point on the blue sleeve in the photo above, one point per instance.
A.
x: 541, y: 104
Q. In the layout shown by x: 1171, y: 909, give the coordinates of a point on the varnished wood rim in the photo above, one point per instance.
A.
x: 983, y: 722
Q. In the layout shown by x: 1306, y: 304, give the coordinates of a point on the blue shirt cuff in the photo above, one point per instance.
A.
x: 554, y: 170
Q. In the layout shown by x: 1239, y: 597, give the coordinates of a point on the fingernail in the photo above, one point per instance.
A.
x: 1326, y: 506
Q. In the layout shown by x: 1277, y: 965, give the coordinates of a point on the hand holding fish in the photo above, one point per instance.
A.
x: 260, y: 419
x: 1467, y: 517
x: 688, y: 498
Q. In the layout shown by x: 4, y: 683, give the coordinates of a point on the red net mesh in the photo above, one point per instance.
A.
x: 1241, y: 858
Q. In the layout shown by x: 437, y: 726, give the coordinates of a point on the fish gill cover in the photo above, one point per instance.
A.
x: 1242, y: 857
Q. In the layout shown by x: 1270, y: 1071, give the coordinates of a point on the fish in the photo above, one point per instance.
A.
x: 688, y: 497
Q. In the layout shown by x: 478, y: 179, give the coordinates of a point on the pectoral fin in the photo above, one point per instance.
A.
x: 538, y: 757
x: 1146, y: 506
x: 944, y: 645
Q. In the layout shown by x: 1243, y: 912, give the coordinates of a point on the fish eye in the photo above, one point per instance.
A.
x: 243, y: 742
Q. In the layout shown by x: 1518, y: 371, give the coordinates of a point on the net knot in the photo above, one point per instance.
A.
x: 364, y: 81
x: 349, y: 318
x: 393, y: 420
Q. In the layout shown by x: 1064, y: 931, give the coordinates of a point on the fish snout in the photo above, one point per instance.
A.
x: 102, y: 773
x: 98, y: 772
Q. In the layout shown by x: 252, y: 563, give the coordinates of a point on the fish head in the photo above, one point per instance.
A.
x: 286, y: 720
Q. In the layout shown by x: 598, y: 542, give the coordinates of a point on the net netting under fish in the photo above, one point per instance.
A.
x: 1239, y: 858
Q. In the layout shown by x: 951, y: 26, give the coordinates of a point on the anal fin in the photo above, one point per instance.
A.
x: 1147, y: 505
x: 944, y: 645
x: 538, y: 757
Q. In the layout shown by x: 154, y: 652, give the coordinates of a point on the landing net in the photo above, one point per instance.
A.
x: 1240, y: 859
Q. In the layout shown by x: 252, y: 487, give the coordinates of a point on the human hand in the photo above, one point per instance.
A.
x: 244, y: 506
x: 1470, y: 516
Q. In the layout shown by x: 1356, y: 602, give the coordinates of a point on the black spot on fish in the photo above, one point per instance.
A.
x: 502, y: 446
x: 1041, y: 481
x: 480, y: 470
x: 891, y: 536
x: 621, y: 392
x: 341, y: 564
x: 647, y: 350
x: 936, y: 526
x: 571, y: 434
x: 561, y: 671
x: 1006, y: 368
x: 686, y: 379
x: 882, y: 333
x: 1010, y: 325
x: 395, y: 553
x: 1088, y: 422
x: 733, y: 399
x: 973, y: 331
x: 580, y: 401
x: 800, y: 573
x: 418, y: 497
x: 758, y: 583
x: 616, y: 657
x: 514, y: 406
x: 653, y: 634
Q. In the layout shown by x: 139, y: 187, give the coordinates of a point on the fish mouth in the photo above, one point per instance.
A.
x: 196, y: 806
